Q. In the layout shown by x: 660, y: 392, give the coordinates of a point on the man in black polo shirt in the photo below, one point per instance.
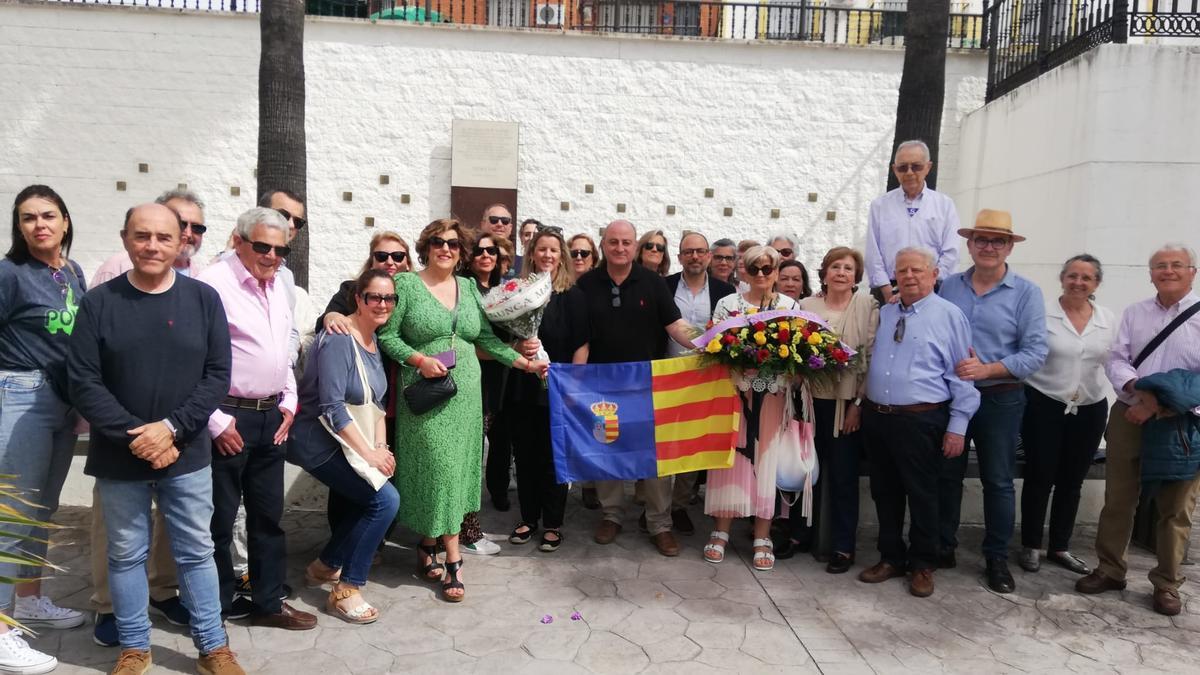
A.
x: 631, y: 314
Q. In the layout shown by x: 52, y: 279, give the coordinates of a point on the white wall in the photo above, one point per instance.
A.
x: 91, y: 92
x: 1100, y: 155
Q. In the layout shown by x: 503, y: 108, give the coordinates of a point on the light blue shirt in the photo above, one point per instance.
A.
x: 695, y: 309
x: 1008, y: 323
x: 895, y: 222
x: 920, y: 368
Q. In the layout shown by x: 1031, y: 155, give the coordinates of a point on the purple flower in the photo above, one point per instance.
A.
x: 576, y: 616
x: 816, y: 362
x: 547, y: 619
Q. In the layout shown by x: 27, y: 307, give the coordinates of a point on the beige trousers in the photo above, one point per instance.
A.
x: 160, y: 565
x: 657, y: 493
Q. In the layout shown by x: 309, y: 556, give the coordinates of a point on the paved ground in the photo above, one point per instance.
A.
x: 641, y: 612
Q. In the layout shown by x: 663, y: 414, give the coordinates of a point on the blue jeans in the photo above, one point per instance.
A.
x: 994, y: 430
x: 37, y: 441
x: 186, y: 504
x: 363, y: 520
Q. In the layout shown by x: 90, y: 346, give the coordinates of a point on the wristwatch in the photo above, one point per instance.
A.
x: 857, y: 401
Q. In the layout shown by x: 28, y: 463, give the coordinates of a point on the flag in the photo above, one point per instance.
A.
x: 619, y: 421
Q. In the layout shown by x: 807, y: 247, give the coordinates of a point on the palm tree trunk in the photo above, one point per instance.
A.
x: 923, y: 83
x: 282, y: 156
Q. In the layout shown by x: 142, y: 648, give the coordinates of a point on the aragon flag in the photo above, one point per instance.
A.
x: 619, y: 421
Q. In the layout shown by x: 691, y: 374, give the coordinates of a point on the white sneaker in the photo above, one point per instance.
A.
x: 39, y: 612
x: 18, y: 658
x: 484, y: 546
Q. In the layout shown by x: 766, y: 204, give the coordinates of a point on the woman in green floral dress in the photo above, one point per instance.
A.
x: 437, y: 453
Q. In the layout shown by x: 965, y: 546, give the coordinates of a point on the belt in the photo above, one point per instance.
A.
x: 260, y: 404
x: 997, y: 388
x: 901, y: 409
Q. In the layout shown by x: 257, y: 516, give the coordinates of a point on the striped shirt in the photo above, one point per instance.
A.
x: 1139, y: 324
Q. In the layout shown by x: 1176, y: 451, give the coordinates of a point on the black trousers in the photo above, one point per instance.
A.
x: 253, y: 476
x: 906, y: 461
x: 542, y: 497
x: 1058, y: 452
x: 494, y: 380
x: 839, y: 459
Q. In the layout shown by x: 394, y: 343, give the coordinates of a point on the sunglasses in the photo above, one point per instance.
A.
x: 581, y: 253
x: 552, y: 229
x: 651, y: 246
x: 687, y: 252
x: 382, y: 256
x: 490, y: 250
x: 438, y: 242
x: 197, y: 228
x: 297, y: 221
x: 263, y: 248
x: 786, y: 252
x: 380, y: 298
x: 914, y: 167
x: 984, y: 242
x: 61, y: 279
x: 723, y: 258
x: 616, y: 296
x: 898, y: 336
x: 755, y: 270
x: 499, y: 219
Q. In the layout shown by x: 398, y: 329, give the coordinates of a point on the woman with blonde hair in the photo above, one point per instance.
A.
x: 584, y: 254
x: 652, y: 252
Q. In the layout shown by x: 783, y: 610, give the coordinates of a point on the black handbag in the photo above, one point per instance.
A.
x: 428, y: 393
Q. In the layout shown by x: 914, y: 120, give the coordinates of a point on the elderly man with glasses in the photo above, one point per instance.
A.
x: 911, y: 215
x: 1008, y: 337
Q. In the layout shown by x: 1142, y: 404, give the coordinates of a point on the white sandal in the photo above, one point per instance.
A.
x: 768, y: 555
x: 718, y: 549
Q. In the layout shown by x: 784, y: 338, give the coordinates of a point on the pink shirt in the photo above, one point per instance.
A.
x: 1139, y: 324
x: 260, y: 326
x: 120, y: 264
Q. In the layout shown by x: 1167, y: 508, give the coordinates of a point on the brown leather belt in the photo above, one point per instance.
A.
x: 901, y: 409
x: 998, y: 388
x: 260, y: 404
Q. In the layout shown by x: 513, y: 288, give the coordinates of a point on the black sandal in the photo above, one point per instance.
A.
x: 550, y: 545
x: 451, y: 582
x: 432, y: 571
x: 522, y: 537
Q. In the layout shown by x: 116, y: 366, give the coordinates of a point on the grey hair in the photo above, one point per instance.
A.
x: 930, y: 258
x: 1084, y: 258
x: 690, y: 233
x: 784, y: 236
x: 1176, y: 246
x: 915, y: 143
x: 722, y: 243
x: 753, y: 253
x: 259, y: 216
x: 185, y: 195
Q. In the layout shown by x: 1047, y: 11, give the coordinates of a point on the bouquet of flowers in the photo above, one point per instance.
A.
x: 517, y: 305
x: 777, y: 343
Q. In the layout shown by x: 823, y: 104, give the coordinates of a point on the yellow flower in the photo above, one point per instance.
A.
x: 743, y: 333
x: 815, y: 339
x: 783, y: 351
x: 752, y: 310
x: 760, y: 338
x: 713, y: 347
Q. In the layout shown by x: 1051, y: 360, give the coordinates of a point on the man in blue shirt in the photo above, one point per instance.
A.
x: 916, y: 416
x: 1008, y: 336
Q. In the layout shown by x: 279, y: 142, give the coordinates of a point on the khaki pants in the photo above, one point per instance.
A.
x: 160, y: 566
x: 657, y: 492
x: 681, y: 494
x: 1122, y: 488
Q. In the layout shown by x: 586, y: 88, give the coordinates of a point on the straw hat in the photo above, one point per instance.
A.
x: 991, y: 221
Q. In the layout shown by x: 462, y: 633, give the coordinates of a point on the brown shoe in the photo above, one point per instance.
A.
x: 606, y: 532
x: 921, y: 584
x: 1166, y: 601
x: 132, y: 662
x: 288, y: 618
x: 666, y: 544
x: 1098, y: 583
x: 879, y: 573
x: 220, y: 661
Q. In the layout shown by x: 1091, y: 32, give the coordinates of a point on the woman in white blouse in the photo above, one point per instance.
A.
x: 1065, y: 415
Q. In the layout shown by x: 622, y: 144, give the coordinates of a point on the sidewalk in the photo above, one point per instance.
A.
x: 641, y: 612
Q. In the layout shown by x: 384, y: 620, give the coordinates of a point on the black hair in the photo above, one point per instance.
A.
x: 365, y: 279
x: 18, y: 252
x: 265, y: 201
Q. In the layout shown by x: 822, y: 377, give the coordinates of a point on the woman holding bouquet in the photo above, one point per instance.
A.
x: 436, y: 325
x: 563, y: 334
x: 748, y: 487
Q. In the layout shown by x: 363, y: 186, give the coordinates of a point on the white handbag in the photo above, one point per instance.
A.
x: 797, y: 469
x: 365, y: 418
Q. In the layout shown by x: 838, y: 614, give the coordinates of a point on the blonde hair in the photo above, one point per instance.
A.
x: 665, y: 265
x: 563, y: 276
x: 386, y: 235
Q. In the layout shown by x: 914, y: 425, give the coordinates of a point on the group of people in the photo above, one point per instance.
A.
x: 198, y: 381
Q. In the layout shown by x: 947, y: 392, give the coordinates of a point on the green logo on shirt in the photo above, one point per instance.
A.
x: 63, y: 320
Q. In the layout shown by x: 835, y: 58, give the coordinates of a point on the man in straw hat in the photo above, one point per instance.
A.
x: 1008, y: 336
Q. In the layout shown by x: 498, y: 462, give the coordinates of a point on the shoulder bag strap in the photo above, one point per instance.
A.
x: 454, y: 321
x: 1166, y: 332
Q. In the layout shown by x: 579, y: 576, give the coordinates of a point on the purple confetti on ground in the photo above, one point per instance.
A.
x: 547, y: 619
x: 576, y: 616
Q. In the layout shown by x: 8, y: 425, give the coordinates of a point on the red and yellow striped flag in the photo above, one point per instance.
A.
x: 696, y: 414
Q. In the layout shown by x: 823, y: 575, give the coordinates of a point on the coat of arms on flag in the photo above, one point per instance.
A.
x: 607, y: 428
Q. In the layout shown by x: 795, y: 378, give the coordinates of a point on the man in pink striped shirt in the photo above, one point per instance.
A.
x: 251, y: 426
x: 1173, y: 271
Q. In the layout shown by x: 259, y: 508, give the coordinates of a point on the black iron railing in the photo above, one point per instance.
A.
x: 1026, y: 38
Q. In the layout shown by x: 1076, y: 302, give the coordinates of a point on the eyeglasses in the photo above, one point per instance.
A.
x: 786, y: 252
x: 263, y: 248
x: 380, y: 298
x: 61, y: 279
x: 490, y: 250
x: 500, y: 219
x: 995, y: 242
x: 438, y: 242
x: 1085, y: 278
x: 616, y: 296
x: 552, y: 229
x: 914, y: 167
x: 1174, y: 266
x: 651, y: 246
x: 197, y: 228
x: 296, y: 221
x: 898, y: 336
x: 581, y: 253
x: 688, y: 252
x: 755, y: 270
x: 382, y: 256
x: 723, y: 258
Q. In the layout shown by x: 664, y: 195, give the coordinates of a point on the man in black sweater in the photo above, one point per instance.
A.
x: 149, y: 362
